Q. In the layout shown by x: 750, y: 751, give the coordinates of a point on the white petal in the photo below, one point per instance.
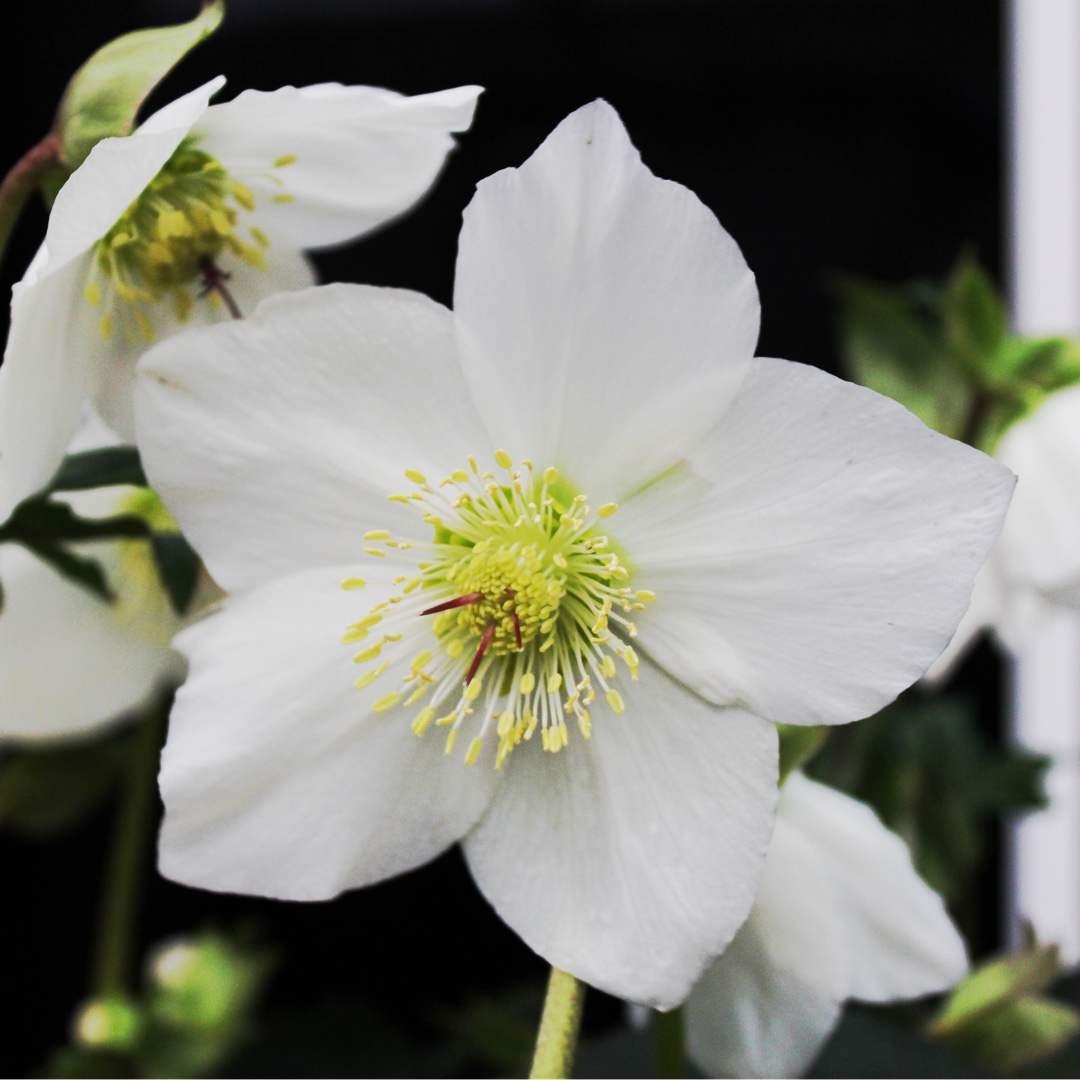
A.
x: 1041, y: 539
x: 768, y: 1003
x: 114, y: 173
x: 277, y: 778
x: 985, y: 609
x: 902, y: 942
x: 631, y: 860
x: 68, y: 664
x: 286, y: 270
x: 607, y: 319
x: 363, y: 155
x: 51, y: 366
x: 817, y: 552
x: 275, y: 441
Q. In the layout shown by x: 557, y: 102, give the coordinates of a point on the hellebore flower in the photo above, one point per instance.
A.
x: 71, y: 663
x: 1034, y: 568
x: 841, y: 913
x: 200, y: 211
x: 589, y: 547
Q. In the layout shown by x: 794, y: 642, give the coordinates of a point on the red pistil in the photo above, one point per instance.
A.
x: 214, y: 279
x: 461, y: 601
x: 485, y: 641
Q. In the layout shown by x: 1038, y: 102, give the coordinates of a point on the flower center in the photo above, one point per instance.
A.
x: 170, y: 238
x: 524, y: 598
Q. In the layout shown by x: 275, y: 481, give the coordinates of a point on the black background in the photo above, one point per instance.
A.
x: 862, y: 135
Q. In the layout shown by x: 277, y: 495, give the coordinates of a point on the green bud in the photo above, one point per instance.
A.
x: 108, y: 1023
x: 999, y: 1016
x: 105, y: 94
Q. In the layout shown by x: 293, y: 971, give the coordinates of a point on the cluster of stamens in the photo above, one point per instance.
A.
x: 528, y: 605
x: 170, y: 239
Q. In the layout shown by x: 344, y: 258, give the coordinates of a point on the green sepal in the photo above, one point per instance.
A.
x: 798, y: 744
x: 48, y: 790
x: 999, y: 1016
x: 975, y: 322
x: 104, y: 467
x: 104, y: 96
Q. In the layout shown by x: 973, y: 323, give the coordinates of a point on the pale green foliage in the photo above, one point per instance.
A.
x: 105, y: 94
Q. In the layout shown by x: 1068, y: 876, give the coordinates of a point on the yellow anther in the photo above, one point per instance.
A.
x: 285, y: 159
x: 449, y: 718
x: 105, y: 327
x: 386, y: 702
x: 646, y: 596
x: 397, y: 498
x: 554, y: 682
x: 506, y: 723
x: 472, y: 691
x: 377, y: 534
x: 459, y: 476
x: 368, y: 678
x: 608, y: 667
x: 420, y: 661
x: 584, y: 721
x: 450, y: 739
x: 545, y: 739
x: 378, y: 552
x: 528, y: 681
x: 614, y: 699
x: 221, y: 223
x: 503, y: 459
x: 474, y: 751
x: 551, y: 474
x: 242, y: 194
x: 93, y: 293
x: 369, y: 653
x: 282, y: 197
x: 259, y: 236
x: 415, y: 476
x: 423, y: 719
x: 413, y: 585
x: 607, y: 510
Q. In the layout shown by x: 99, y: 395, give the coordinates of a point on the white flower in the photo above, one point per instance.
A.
x: 200, y: 208
x: 790, y: 547
x: 841, y: 913
x: 70, y: 663
x: 1034, y: 568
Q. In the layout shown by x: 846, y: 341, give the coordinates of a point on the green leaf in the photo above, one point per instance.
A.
x: 891, y: 342
x: 105, y: 94
x: 99, y: 468
x: 45, y: 791
x: 975, y: 320
x: 178, y: 567
x: 41, y: 521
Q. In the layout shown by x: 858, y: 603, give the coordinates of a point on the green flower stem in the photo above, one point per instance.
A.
x: 669, y: 1044
x: 115, y: 945
x: 28, y: 173
x: 560, y: 1023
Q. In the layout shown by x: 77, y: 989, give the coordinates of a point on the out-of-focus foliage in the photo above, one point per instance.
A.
x: 196, y: 1009
x: 946, y: 353
x: 104, y: 96
x: 47, y: 790
x: 932, y: 777
x: 798, y: 744
x: 1000, y: 1015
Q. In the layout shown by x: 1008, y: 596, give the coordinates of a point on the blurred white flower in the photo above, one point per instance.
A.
x: 583, y: 445
x: 1034, y: 568
x: 841, y: 913
x: 71, y: 663
x: 199, y: 210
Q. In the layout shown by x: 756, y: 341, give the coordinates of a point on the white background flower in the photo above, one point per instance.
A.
x: 810, y: 543
x: 1034, y: 568
x: 841, y: 913
x: 316, y: 166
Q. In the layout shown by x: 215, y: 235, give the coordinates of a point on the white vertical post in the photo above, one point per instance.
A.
x: 1044, y: 850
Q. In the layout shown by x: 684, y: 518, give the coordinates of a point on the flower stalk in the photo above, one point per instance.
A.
x: 560, y: 1023
x: 115, y: 941
x: 28, y: 173
x: 669, y: 1044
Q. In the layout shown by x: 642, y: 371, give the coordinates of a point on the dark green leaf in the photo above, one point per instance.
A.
x: 48, y: 790
x: 105, y: 94
x: 99, y: 468
x: 975, y: 320
x: 42, y: 521
x: 178, y: 567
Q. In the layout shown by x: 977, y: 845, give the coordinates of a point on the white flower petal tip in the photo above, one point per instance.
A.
x: 841, y: 914
x: 839, y: 537
x: 585, y: 265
